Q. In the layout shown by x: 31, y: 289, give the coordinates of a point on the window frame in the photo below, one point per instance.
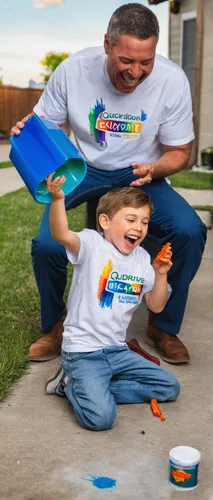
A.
x: 186, y: 16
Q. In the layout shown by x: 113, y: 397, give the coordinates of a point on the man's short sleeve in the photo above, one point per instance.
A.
x: 53, y: 102
x: 87, y: 242
x: 176, y: 127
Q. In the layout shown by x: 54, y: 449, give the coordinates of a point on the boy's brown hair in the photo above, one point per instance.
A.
x: 113, y: 201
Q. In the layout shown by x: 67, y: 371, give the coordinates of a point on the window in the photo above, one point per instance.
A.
x: 188, y: 46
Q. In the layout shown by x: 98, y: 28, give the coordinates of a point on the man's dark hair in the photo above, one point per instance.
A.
x: 132, y: 19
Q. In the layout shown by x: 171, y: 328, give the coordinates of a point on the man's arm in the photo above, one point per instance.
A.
x: 52, y: 103
x: 174, y: 159
x: 20, y: 125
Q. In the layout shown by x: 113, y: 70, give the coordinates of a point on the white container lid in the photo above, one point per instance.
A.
x: 185, y: 455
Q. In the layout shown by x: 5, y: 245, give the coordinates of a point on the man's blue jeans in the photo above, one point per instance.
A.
x: 173, y: 220
x: 100, y: 379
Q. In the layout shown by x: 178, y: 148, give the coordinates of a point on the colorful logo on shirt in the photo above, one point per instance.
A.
x: 111, y: 282
x: 123, y: 125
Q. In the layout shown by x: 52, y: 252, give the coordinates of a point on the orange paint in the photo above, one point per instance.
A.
x: 180, y: 476
x: 162, y: 253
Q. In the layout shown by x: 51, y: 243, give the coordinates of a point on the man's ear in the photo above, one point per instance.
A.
x: 104, y: 221
x: 106, y: 44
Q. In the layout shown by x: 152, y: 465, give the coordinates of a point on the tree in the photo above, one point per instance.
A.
x: 50, y: 63
x: 174, y: 5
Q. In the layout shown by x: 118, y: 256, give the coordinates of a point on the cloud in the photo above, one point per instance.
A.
x: 40, y: 4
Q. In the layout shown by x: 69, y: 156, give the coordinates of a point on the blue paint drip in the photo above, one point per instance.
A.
x: 106, y: 299
x: 143, y: 116
x: 101, y: 482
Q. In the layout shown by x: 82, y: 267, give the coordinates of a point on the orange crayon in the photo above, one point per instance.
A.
x: 156, y: 409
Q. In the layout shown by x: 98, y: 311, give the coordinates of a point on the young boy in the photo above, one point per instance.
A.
x: 111, y: 275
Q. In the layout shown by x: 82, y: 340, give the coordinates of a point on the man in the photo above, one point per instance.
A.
x: 130, y: 112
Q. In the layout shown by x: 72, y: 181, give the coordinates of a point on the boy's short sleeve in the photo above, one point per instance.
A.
x: 53, y: 102
x: 87, y: 242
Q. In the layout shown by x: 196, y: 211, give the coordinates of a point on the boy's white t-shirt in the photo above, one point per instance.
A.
x: 114, y: 129
x: 106, y: 289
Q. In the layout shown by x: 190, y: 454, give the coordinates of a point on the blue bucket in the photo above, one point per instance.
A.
x: 42, y: 148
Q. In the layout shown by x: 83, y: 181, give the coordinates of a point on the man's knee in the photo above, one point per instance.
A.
x: 191, y: 229
x: 43, y: 249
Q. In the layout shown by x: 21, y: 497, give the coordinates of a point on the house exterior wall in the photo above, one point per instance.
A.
x: 206, y: 97
x: 206, y: 103
x: 175, y: 30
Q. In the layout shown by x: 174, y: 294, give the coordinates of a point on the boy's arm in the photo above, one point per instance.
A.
x: 156, y: 299
x: 58, y: 218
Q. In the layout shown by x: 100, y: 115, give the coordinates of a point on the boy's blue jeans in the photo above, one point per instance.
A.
x: 173, y: 220
x: 100, y: 379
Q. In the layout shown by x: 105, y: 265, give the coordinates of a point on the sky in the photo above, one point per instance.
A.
x: 31, y: 28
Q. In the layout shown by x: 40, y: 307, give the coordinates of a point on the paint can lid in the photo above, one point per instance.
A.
x: 185, y: 455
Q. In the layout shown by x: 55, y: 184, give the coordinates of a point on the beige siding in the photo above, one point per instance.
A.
x: 206, y: 105
x: 175, y: 30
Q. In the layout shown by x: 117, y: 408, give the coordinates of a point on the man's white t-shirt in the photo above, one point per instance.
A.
x: 113, y: 129
x: 106, y: 289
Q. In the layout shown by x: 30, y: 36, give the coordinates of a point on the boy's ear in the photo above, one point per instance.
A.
x: 104, y: 221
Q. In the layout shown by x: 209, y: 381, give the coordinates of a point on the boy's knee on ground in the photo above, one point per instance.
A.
x: 99, y: 420
x: 174, y: 387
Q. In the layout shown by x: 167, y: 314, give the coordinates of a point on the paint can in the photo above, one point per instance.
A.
x: 183, y: 469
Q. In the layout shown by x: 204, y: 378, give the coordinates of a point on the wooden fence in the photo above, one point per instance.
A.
x: 15, y: 103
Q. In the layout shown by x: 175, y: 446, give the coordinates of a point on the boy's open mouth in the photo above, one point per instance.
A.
x: 131, y: 239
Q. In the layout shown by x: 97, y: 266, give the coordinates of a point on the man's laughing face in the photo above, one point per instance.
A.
x: 129, y: 61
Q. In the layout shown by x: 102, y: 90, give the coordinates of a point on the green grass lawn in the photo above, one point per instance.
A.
x: 192, y: 180
x: 20, y: 323
x: 185, y: 179
x: 6, y: 164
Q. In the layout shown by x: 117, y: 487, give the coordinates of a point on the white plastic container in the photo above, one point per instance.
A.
x: 183, y: 470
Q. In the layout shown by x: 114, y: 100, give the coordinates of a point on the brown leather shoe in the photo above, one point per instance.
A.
x: 48, y: 346
x: 171, y: 349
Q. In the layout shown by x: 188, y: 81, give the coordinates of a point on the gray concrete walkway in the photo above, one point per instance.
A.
x: 4, y: 152
x: 10, y: 180
x: 197, y: 196
x: 46, y: 455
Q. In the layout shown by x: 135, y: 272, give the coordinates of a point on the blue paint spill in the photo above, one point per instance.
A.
x: 101, y: 482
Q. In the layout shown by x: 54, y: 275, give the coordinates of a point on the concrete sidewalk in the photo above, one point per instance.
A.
x: 4, y: 152
x: 46, y: 455
x: 10, y: 180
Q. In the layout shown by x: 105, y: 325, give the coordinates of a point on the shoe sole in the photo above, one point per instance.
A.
x: 171, y: 361
x: 52, y: 382
x: 44, y: 358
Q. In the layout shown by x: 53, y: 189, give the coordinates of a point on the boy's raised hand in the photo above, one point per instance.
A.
x: 54, y: 186
x: 165, y: 263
